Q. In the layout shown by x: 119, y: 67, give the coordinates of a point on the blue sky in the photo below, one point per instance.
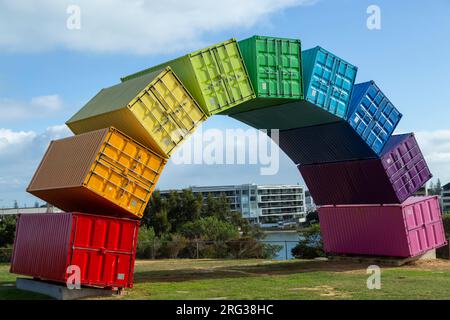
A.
x: 48, y: 72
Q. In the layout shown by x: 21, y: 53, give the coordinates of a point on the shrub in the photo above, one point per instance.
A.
x: 246, y: 248
x: 311, y: 245
x: 7, y: 230
x: 148, y: 243
x: 5, y: 254
x: 174, y: 245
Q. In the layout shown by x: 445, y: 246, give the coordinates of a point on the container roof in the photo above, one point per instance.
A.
x: 394, y: 140
x: 115, y: 97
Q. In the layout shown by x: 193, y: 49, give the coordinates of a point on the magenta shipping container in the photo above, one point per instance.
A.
x: 396, y: 175
x: 399, y: 230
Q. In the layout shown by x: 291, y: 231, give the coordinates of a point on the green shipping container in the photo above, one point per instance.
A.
x: 287, y: 116
x: 275, y: 69
x: 215, y: 76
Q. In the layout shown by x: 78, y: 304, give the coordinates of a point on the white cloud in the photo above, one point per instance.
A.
x: 50, y: 103
x: 37, y: 107
x: 435, y: 146
x: 134, y: 26
x: 20, y: 154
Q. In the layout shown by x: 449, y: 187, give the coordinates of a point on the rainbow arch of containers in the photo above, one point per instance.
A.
x: 340, y: 135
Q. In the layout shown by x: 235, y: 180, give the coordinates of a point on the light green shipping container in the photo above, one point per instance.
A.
x: 215, y: 76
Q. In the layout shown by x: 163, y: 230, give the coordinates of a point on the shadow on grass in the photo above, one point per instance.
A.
x: 8, y: 291
x: 245, y: 271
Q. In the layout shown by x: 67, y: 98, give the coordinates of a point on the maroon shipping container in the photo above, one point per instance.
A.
x: 397, y: 174
x: 104, y: 248
x: 399, y: 230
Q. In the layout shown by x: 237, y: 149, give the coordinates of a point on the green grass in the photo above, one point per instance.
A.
x: 265, y: 279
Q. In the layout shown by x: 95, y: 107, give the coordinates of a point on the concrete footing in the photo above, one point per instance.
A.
x: 60, y: 291
x: 391, y: 261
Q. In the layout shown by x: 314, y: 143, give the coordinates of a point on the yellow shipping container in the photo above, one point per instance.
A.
x: 155, y: 109
x: 102, y: 172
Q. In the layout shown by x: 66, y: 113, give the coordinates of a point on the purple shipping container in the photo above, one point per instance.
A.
x: 398, y: 230
x: 397, y: 174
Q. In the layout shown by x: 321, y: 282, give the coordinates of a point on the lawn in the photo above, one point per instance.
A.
x: 268, y: 279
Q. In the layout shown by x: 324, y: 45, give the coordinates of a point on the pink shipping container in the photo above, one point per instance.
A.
x: 399, y: 172
x: 104, y: 248
x: 403, y: 230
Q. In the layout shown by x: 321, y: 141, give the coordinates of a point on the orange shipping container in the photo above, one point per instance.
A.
x: 97, y: 172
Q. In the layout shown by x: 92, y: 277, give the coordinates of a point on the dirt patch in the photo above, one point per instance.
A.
x: 324, y: 291
x: 432, y: 265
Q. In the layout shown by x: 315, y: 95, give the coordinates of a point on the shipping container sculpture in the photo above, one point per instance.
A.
x: 339, y: 135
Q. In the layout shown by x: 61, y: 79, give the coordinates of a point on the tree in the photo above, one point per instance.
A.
x: 438, y: 187
x: 36, y: 204
x: 310, y: 245
x: 7, y: 230
x: 210, y: 228
x: 431, y: 188
x: 160, y: 222
x: 16, y: 205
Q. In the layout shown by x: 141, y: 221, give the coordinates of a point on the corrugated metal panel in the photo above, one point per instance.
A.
x: 104, y: 248
x: 155, y: 109
x: 286, y: 116
x: 67, y: 161
x: 394, y: 177
x: 372, y: 115
x: 405, y: 230
x: 331, y: 142
x: 216, y: 76
x: 274, y: 67
x: 120, y: 176
x: 349, y: 182
x: 328, y: 80
x: 41, y: 245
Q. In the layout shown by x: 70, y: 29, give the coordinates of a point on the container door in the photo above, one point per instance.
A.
x: 177, y: 101
x: 376, y: 118
x: 222, y: 76
x: 343, y: 77
x: 157, y: 120
x: 290, y: 68
x: 268, y: 59
x: 424, y: 225
x: 132, y: 158
x: 321, y: 78
x: 121, y: 189
x: 104, y: 249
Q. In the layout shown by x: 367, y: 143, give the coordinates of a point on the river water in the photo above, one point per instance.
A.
x: 286, y: 239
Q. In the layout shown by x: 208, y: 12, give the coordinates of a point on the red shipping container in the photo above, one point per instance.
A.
x: 396, y: 175
x: 399, y: 230
x: 104, y: 248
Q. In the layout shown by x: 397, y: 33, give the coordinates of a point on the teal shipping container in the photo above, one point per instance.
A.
x: 372, y: 115
x: 328, y: 80
x: 275, y: 70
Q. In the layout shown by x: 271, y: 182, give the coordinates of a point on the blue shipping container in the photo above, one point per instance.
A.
x: 328, y: 80
x: 372, y: 115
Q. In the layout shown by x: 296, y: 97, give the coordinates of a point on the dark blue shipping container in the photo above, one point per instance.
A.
x: 328, y: 80
x: 332, y: 142
x: 372, y: 115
